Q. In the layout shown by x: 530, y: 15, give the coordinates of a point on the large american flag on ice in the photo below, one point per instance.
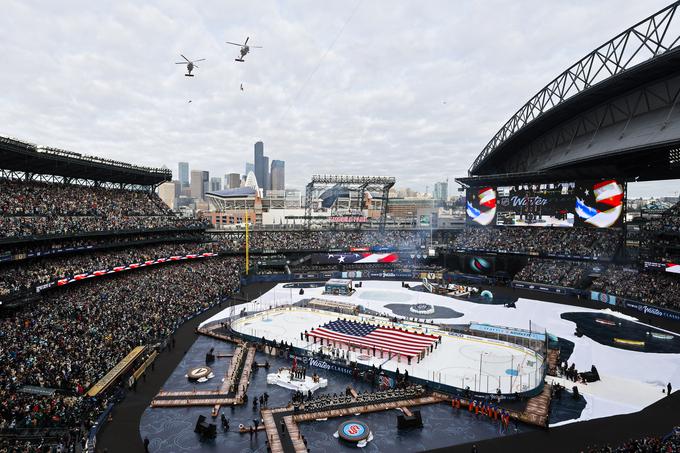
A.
x: 398, y: 341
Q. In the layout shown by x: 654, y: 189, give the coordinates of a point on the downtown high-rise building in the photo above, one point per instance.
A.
x: 199, y: 184
x: 215, y: 184
x: 266, y: 177
x: 261, y: 166
x: 249, y: 167
x: 183, y: 173
x: 278, y: 175
x: 441, y: 191
x: 169, y: 192
x: 232, y: 181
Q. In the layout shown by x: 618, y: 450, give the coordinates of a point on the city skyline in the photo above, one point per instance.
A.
x: 315, y: 93
x: 646, y: 190
x: 266, y: 172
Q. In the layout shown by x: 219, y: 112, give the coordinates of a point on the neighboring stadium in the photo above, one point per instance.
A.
x: 546, y: 322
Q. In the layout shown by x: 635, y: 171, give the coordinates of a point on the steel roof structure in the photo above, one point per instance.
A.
x: 26, y: 160
x: 616, y: 84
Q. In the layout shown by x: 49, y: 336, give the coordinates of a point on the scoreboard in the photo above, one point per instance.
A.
x: 597, y: 204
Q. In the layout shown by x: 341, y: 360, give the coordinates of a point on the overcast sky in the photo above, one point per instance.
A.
x: 412, y: 89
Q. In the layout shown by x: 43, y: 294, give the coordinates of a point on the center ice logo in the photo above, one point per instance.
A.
x: 353, y: 430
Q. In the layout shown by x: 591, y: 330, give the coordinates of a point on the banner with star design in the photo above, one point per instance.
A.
x: 352, y: 258
x: 599, y: 203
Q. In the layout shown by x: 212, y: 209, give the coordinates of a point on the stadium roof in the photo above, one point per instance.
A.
x: 19, y: 156
x: 647, y: 51
x: 232, y: 193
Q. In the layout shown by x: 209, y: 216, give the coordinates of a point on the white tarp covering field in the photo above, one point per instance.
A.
x: 630, y: 380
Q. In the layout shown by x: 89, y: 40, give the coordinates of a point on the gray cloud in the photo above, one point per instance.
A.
x: 99, y: 78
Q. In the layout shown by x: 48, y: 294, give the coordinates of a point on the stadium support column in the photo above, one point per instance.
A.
x: 362, y: 198
x: 624, y: 227
x: 247, y: 243
x: 383, y: 205
x: 308, y: 204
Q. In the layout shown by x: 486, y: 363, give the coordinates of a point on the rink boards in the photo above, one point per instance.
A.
x: 460, y: 360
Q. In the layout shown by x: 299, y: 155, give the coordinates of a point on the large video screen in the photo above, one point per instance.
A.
x: 597, y: 204
x: 481, y: 205
x: 479, y: 265
x: 536, y: 205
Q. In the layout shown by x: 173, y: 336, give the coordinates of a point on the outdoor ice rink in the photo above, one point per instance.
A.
x: 631, y: 380
x: 457, y: 361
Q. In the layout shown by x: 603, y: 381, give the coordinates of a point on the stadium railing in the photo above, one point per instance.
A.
x: 67, y: 280
x: 30, y: 239
x: 544, y: 287
x: 8, y: 256
x: 531, y: 254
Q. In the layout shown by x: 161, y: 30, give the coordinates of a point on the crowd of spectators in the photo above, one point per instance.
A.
x: 660, y: 237
x: 656, y: 288
x: 25, y: 275
x: 63, y: 226
x: 35, y: 198
x: 664, y: 444
x: 325, y: 239
x: 20, y: 251
x: 668, y: 222
x: 32, y: 208
x: 574, y: 242
x: 73, y: 336
x: 554, y: 272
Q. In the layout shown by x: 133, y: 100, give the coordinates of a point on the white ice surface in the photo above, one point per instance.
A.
x: 455, y: 362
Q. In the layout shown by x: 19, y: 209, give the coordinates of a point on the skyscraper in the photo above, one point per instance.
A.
x: 215, y: 184
x: 278, y: 175
x: 258, y: 160
x: 169, y: 192
x: 232, y: 181
x: 261, y: 167
x: 249, y: 167
x: 183, y: 173
x: 265, y: 175
x: 441, y: 191
x: 199, y: 184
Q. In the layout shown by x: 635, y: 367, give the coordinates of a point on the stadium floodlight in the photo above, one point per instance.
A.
x: 358, y: 185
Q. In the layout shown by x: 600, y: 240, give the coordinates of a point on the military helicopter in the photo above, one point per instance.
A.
x: 245, y: 48
x: 190, y: 65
